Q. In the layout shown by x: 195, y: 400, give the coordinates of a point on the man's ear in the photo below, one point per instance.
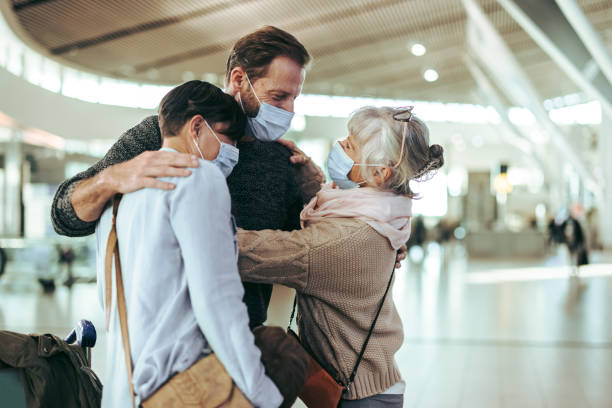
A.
x: 237, y: 77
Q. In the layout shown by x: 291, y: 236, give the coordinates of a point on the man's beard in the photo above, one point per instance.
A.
x: 249, y: 103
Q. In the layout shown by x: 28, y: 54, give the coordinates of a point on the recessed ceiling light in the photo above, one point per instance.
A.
x: 431, y: 75
x: 127, y: 70
x: 418, y: 50
x: 210, y: 77
x: 153, y: 74
x: 339, y: 89
x: 188, y: 76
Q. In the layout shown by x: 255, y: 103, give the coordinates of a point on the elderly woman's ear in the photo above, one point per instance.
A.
x: 381, y: 175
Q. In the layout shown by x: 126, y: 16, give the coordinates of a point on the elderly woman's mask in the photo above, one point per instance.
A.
x: 339, y: 165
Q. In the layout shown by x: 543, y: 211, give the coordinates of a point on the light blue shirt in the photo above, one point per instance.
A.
x: 184, y: 295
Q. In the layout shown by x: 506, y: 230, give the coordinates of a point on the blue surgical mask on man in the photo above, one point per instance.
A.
x: 226, y: 159
x: 339, y: 165
x: 271, y: 123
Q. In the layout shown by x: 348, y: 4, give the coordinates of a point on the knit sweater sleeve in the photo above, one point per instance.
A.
x: 271, y: 256
x: 142, y: 137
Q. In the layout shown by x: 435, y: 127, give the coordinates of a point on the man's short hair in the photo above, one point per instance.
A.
x: 200, y: 98
x: 255, y: 51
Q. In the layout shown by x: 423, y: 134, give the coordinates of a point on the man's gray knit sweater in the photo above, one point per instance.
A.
x: 264, y: 189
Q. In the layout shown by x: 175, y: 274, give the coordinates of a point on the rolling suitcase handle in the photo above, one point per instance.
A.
x: 83, y: 335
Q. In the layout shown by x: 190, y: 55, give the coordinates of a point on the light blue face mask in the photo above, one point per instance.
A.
x: 271, y: 123
x: 339, y: 165
x: 226, y: 159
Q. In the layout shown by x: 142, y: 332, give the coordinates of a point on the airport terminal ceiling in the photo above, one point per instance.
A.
x: 360, y: 47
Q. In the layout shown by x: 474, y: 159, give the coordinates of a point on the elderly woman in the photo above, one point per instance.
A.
x: 179, y: 261
x: 341, y: 262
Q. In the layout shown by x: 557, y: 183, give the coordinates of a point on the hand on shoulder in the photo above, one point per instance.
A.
x: 302, y: 161
x: 144, y: 170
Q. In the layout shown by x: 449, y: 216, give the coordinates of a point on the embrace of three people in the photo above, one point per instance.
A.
x: 216, y: 208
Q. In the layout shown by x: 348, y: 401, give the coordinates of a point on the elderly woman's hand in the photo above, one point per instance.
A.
x: 401, y: 255
x: 299, y: 157
x: 310, y: 176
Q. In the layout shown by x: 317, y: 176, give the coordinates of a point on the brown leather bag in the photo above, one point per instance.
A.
x: 205, y: 384
x: 321, y: 390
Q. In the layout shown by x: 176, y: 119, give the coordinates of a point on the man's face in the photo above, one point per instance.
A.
x: 279, y: 87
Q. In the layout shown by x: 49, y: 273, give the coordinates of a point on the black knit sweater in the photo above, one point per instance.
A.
x: 264, y: 188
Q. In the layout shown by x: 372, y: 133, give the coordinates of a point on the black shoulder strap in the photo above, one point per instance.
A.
x: 292, y: 312
x: 367, y: 340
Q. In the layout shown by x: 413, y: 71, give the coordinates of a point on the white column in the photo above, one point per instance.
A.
x: 605, y: 211
x: 13, y: 160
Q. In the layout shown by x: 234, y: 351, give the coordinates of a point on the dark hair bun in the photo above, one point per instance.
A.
x: 436, y: 155
x: 435, y: 151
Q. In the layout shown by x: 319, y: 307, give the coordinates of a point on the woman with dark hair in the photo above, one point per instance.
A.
x: 178, y: 249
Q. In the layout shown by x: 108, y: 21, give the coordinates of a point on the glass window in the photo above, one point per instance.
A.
x: 32, y: 66
x: 120, y: 93
x: 14, y: 63
x: 51, y: 78
x: 6, y: 37
x: 3, y: 49
x: 434, y: 199
x: 584, y: 114
x: 80, y: 85
x: 151, y: 95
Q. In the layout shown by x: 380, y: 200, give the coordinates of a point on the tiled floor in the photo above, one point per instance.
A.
x: 478, y: 333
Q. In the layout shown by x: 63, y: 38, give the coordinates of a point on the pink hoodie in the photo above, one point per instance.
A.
x: 388, y: 213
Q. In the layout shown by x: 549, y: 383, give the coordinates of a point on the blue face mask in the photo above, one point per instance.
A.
x: 271, y: 123
x: 226, y: 159
x: 339, y: 165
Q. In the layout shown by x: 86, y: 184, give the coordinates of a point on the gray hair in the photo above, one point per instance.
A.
x: 380, y: 137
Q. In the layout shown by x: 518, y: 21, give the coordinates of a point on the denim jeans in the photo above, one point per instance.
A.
x: 375, y: 401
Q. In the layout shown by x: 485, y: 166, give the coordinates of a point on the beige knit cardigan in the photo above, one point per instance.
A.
x: 340, y: 269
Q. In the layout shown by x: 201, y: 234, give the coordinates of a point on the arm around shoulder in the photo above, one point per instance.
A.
x: 79, y: 201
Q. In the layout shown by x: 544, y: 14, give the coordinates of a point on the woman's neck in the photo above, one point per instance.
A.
x: 180, y: 144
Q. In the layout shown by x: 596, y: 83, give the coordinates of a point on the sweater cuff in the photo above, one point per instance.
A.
x: 369, y: 384
x: 64, y: 217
